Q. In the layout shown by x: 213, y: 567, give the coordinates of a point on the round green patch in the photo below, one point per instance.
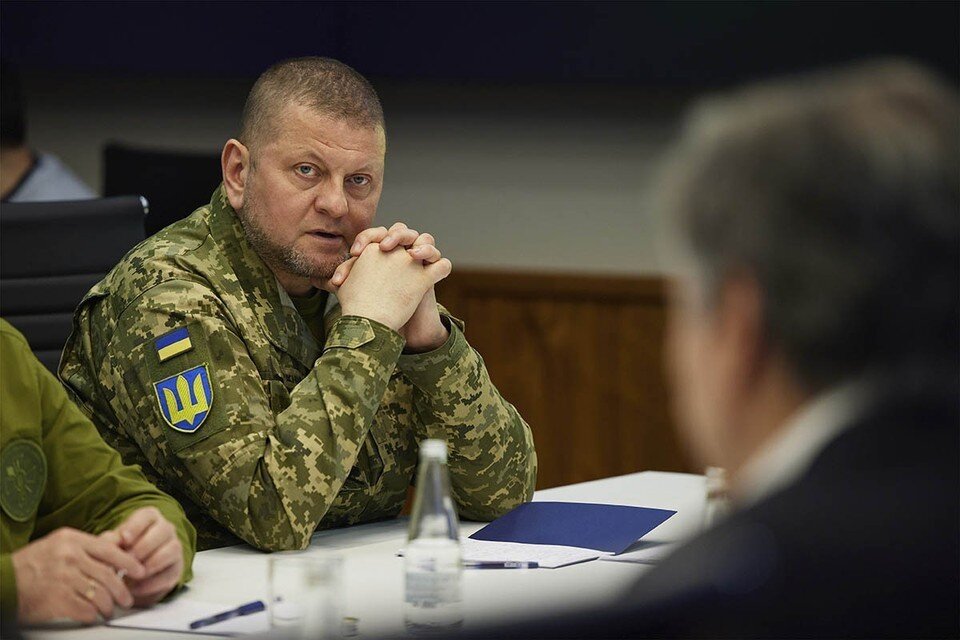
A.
x: 23, y: 476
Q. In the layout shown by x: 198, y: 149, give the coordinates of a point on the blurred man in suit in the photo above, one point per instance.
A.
x: 813, y: 352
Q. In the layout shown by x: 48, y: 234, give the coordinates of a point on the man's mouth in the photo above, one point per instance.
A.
x: 326, y: 235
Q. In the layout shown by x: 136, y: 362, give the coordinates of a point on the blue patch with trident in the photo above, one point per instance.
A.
x: 186, y: 398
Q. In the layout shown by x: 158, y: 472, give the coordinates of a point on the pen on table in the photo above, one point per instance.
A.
x: 500, y: 565
x: 242, y: 610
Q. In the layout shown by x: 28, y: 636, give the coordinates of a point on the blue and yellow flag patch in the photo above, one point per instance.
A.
x: 186, y: 398
x: 173, y: 344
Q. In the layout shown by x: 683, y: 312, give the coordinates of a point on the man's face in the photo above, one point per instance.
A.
x: 310, y: 190
x: 695, y: 359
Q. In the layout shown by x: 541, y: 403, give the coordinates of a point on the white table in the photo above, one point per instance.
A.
x: 373, y: 574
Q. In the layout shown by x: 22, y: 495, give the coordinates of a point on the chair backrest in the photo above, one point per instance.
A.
x: 174, y: 182
x: 51, y: 253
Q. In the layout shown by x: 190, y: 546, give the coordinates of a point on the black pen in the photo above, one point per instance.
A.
x: 501, y: 565
x: 243, y: 610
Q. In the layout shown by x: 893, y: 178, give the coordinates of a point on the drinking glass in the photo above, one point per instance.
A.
x: 304, y: 594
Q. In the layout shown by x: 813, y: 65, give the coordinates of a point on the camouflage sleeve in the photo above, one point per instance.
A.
x: 265, y: 466
x: 492, y: 461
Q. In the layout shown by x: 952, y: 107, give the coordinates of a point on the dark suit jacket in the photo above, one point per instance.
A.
x: 864, y: 544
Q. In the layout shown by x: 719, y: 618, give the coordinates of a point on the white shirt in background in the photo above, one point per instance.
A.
x: 50, y: 179
x: 791, y: 451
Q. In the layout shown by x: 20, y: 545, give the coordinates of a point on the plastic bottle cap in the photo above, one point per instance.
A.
x: 434, y: 449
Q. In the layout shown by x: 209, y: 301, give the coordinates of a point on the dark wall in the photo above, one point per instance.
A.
x: 678, y: 44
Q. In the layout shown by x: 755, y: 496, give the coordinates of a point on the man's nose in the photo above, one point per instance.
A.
x: 331, y: 200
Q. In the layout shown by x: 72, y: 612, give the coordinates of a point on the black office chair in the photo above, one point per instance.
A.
x: 174, y: 182
x: 51, y: 253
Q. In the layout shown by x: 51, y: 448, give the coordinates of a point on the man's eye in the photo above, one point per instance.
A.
x: 305, y: 170
x: 359, y: 181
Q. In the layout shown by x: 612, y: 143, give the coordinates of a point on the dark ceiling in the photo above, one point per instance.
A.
x: 678, y: 44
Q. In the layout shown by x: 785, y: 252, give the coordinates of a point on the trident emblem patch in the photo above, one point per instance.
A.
x: 186, y: 398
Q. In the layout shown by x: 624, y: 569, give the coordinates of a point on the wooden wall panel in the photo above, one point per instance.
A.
x: 580, y: 358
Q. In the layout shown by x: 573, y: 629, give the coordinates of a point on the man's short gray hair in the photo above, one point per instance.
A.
x: 325, y: 85
x: 840, y: 194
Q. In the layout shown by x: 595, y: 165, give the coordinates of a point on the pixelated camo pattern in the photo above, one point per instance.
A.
x: 300, y: 435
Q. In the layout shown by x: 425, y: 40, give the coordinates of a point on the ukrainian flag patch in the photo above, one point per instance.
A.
x: 173, y: 344
x: 186, y: 398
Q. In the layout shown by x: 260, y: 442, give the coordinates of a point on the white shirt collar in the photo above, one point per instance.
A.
x: 791, y: 451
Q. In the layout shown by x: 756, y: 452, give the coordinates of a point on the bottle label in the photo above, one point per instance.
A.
x: 430, y: 589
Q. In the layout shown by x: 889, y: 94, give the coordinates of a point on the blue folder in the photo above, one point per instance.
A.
x: 604, y: 527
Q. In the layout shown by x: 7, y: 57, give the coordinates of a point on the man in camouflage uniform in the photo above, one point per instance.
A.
x: 214, y: 356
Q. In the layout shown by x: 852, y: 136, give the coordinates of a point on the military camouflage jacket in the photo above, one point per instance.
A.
x: 195, y: 364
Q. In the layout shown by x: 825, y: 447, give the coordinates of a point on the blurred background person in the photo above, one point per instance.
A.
x: 813, y: 353
x: 27, y: 175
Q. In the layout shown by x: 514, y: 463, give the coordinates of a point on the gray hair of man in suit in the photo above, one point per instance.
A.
x: 818, y: 220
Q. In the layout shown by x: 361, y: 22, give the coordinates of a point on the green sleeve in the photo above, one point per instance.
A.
x: 8, y: 586
x: 264, y: 464
x: 88, y: 486
x: 492, y: 461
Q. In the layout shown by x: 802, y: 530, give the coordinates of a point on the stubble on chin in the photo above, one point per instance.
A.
x: 286, y: 258
x: 325, y: 268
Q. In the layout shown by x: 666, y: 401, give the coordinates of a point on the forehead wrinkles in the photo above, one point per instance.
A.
x: 301, y: 126
x: 331, y: 144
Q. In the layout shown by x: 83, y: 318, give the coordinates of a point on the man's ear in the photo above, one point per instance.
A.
x: 235, y: 164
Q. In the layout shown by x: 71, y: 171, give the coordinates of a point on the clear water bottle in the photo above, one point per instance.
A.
x: 433, y: 602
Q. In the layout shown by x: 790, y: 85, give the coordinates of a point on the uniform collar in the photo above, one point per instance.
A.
x: 331, y: 313
x: 282, y: 324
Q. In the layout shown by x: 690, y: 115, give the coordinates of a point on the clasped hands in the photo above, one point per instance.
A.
x: 73, y: 575
x: 390, y: 277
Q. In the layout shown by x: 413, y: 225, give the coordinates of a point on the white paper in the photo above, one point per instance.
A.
x: 645, y: 552
x: 179, y: 613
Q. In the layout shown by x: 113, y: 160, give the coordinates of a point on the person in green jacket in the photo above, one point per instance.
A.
x: 80, y: 532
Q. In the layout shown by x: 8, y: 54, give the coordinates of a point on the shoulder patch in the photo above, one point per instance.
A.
x: 24, y: 471
x: 173, y: 344
x: 185, y: 398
